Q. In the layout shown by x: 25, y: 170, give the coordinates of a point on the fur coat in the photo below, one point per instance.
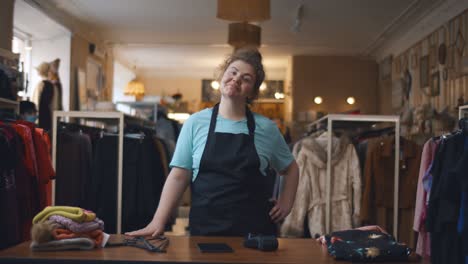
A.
x: 311, y: 156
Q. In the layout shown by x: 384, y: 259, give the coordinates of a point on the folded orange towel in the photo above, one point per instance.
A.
x: 96, y: 235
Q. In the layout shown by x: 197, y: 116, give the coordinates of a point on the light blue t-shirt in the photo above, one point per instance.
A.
x: 269, y: 143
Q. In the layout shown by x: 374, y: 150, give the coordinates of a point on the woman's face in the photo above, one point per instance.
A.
x: 238, y: 81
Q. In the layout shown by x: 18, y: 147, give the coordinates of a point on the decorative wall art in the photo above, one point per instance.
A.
x: 404, y: 63
x: 445, y: 74
x: 442, y: 53
x: 414, y: 60
x: 450, y: 56
x: 398, y: 65
x: 460, y: 43
x: 435, y: 84
x: 424, y: 72
x: 386, y: 68
x: 432, y: 57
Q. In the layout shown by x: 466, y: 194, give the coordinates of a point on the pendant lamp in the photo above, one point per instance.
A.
x: 243, y: 10
x: 135, y: 88
x: 244, y: 35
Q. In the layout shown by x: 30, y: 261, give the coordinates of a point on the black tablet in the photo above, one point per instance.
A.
x: 214, y: 247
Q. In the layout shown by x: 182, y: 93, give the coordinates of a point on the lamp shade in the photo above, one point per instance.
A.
x: 244, y: 35
x: 243, y: 10
x: 135, y: 88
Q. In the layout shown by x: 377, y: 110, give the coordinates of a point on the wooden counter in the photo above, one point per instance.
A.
x: 181, y: 249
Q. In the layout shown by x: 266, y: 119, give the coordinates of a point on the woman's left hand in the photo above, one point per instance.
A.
x: 280, y: 210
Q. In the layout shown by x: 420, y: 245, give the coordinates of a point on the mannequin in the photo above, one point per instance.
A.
x: 55, y: 79
x: 43, y: 96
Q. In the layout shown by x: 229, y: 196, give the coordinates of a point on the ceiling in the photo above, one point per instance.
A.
x: 30, y: 23
x: 184, y: 37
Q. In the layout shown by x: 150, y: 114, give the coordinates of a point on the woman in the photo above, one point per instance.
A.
x: 224, y: 153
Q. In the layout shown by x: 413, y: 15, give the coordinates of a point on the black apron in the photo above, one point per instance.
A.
x: 230, y: 195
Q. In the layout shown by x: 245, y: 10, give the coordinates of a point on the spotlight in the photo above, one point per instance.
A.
x: 350, y: 100
x: 318, y: 100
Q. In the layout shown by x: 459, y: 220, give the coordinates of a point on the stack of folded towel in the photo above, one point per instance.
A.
x: 65, y: 227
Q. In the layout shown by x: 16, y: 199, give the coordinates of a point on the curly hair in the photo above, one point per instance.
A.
x: 254, y: 58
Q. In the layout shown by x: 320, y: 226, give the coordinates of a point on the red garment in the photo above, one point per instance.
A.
x: 42, y: 142
x: 29, y: 153
x: 27, y: 191
x: 45, y: 170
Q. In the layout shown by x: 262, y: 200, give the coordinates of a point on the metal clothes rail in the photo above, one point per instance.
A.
x: 462, y: 110
x: 94, y: 115
x: 360, y: 118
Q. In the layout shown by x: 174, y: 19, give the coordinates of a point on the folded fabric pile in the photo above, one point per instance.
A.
x: 366, y: 246
x: 65, y: 227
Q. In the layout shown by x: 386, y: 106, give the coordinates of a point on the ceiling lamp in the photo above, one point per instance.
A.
x: 244, y: 34
x: 243, y: 10
x: 318, y: 100
x: 215, y: 85
x: 350, y: 100
x: 135, y: 88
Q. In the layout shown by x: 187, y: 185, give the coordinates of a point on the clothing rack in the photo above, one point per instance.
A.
x: 360, y: 118
x: 94, y: 115
x: 133, y: 120
x: 462, y: 110
x: 132, y: 106
x: 9, y: 104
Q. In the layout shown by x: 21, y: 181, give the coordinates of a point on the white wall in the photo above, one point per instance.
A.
x: 46, y: 51
x: 122, y: 76
x: 439, y: 16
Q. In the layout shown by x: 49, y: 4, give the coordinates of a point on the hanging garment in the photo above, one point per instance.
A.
x: 444, y: 203
x: 73, y: 168
x: 379, y: 177
x: 230, y: 195
x: 46, y: 97
x: 423, y: 244
x: 27, y: 181
x: 10, y: 221
x: 310, y: 199
x: 143, y: 181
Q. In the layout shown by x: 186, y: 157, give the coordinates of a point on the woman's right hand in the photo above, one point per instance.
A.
x: 152, y: 229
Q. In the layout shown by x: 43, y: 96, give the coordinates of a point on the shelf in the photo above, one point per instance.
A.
x: 9, y: 104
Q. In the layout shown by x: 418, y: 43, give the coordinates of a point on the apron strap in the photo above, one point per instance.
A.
x: 250, y: 120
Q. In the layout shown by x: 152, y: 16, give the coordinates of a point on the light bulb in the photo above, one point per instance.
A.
x: 318, y: 100
x: 215, y: 85
x: 263, y: 86
x: 350, y: 100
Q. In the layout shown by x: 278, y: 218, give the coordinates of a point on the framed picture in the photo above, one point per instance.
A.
x: 442, y: 53
x: 445, y: 74
x: 414, y: 60
x: 433, y: 57
x: 450, y: 56
x: 404, y: 63
x: 386, y: 68
x: 81, y: 86
x: 209, y: 94
x: 435, y: 84
x: 398, y: 65
x: 424, y: 72
x: 460, y: 43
